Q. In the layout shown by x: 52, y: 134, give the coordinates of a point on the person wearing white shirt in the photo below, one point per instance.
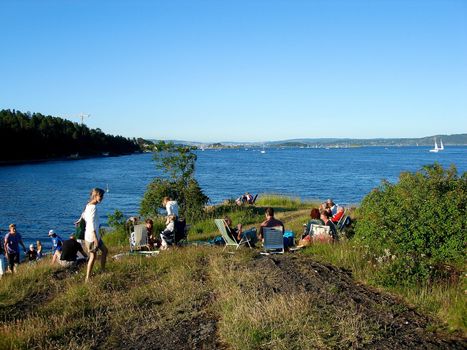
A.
x: 171, y: 206
x: 92, y: 237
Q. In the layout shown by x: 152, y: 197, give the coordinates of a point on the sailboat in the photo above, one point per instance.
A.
x: 441, y: 147
x: 263, y: 150
x: 436, y: 149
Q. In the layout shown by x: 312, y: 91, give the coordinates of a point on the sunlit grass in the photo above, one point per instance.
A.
x: 139, y: 295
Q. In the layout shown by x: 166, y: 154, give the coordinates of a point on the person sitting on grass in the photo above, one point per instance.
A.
x: 237, y: 233
x: 270, y: 221
x: 315, y: 220
x: 31, y: 253
x: 240, y: 200
x: 325, y: 217
x: 69, y: 255
x: 168, y: 235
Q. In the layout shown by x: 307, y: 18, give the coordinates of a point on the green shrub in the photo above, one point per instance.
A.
x: 417, y: 226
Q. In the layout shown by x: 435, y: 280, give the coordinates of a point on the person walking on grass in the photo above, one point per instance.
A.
x: 92, y: 236
x: 11, y: 246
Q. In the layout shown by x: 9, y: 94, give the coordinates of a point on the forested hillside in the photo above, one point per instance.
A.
x: 33, y: 136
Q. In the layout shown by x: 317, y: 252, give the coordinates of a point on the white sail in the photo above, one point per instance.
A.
x: 441, y: 147
x: 436, y: 149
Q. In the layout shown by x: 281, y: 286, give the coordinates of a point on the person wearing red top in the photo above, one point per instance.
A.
x: 336, y: 217
x: 270, y: 222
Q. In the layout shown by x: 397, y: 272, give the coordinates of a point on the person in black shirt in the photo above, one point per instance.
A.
x: 69, y: 255
x: 31, y: 253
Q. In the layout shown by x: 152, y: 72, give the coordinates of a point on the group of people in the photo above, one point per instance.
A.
x: 237, y: 233
x: 245, y: 198
x: 328, y: 214
x: 10, y: 249
x: 71, y: 252
x: 167, y: 236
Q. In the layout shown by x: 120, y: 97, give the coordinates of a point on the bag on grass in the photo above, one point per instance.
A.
x: 80, y: 229
x: 289, y: 239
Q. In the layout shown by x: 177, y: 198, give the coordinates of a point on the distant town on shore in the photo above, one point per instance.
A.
x: 448, y: 140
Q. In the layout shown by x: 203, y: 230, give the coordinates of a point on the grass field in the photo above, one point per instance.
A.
x: 204, y: 297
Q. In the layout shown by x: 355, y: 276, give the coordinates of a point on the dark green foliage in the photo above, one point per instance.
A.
x: 417, y: 226
x: 26, y: 136
x: 177, y: 163
x: 116, y: 220
x: 119, y: 234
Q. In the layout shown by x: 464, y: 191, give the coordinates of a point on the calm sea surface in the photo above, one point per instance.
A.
x: 40, y: 197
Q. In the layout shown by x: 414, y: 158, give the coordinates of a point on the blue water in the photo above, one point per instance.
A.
x: 40, y: 197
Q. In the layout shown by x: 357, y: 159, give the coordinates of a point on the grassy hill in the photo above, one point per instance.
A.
x: 201, y: 297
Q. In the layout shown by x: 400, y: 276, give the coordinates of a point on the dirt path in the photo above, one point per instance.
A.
x: 395, y: 325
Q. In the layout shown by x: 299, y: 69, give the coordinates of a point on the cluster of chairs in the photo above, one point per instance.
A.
x: 273, y: 238
x: 140, y: 240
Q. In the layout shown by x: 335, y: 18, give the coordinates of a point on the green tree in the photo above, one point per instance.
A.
x: 177, y: 165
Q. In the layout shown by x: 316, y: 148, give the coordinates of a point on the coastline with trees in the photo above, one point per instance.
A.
x: 31, y: 137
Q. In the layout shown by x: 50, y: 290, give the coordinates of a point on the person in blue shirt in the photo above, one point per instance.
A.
x: 11, y: 246
x: 56, y: 246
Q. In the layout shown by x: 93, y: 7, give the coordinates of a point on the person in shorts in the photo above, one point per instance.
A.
x: 92, y: 237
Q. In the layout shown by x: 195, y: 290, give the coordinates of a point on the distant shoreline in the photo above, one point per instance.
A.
x: 56, y: 159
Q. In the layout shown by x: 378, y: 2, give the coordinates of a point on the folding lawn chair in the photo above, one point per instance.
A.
x: 273, y: 239
x: 343, y: 222
x: 139, y: 238
x: 229, y: 241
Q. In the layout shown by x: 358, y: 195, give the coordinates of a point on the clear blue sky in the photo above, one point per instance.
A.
x: 240, y: 70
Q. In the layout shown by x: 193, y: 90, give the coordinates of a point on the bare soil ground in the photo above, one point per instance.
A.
x: 398, y: 326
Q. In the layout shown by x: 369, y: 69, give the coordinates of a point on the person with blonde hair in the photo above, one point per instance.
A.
x: 92, y: 238
x: 39, y: 250
x: 168, y: 235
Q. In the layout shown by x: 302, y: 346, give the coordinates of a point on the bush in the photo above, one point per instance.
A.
x: 416, y: 226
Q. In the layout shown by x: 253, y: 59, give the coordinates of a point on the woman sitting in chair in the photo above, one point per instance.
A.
x: 237, y: 233
x: 315, y: 220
